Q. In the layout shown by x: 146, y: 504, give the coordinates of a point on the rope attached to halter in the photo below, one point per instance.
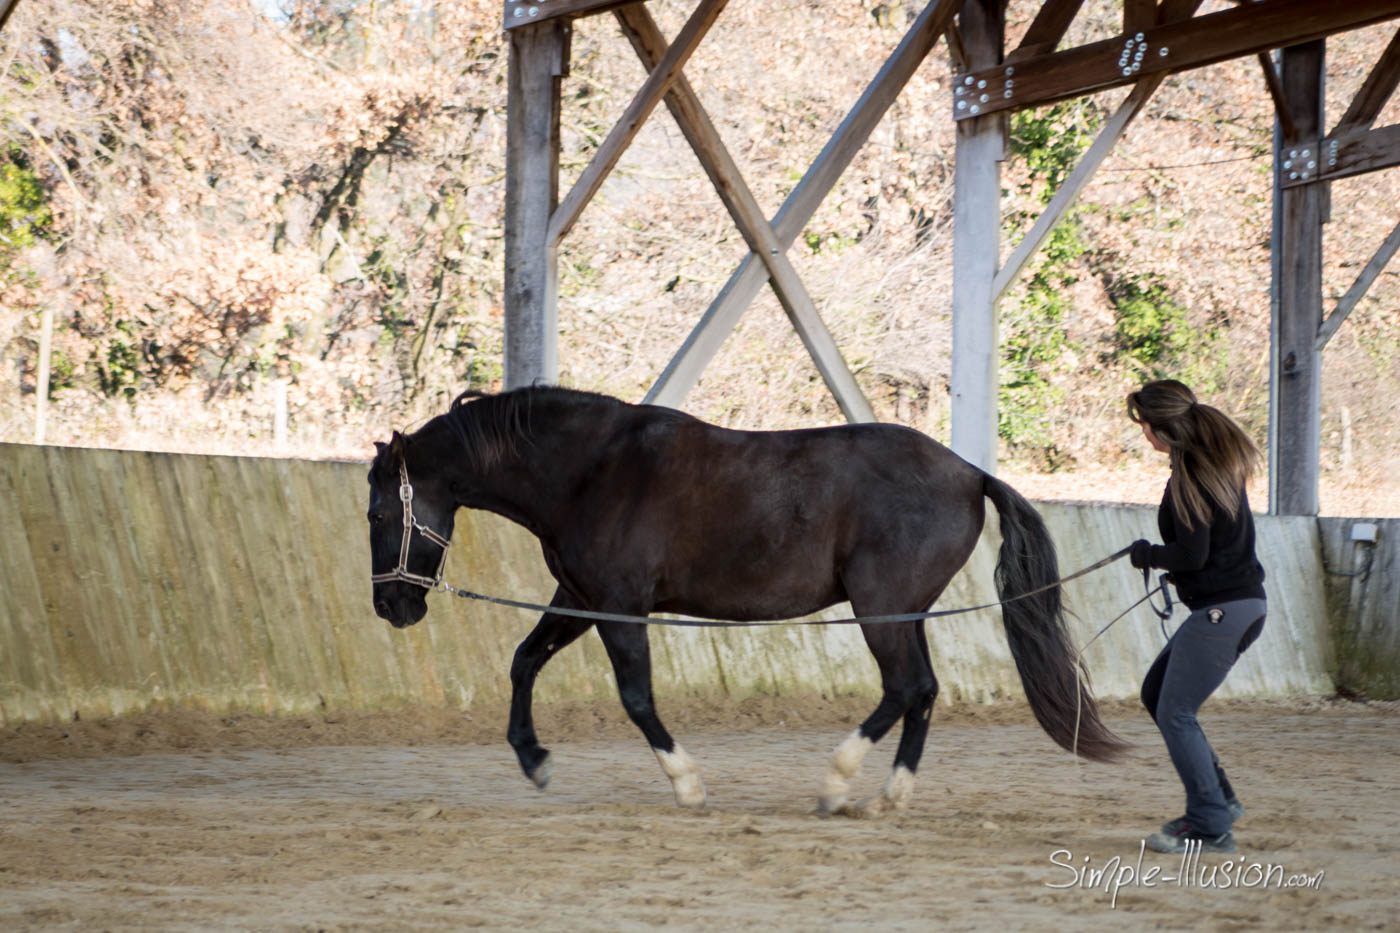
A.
x: 724, y: 623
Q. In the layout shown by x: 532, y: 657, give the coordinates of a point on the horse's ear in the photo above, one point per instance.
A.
x: 398, y: 444
x: 378, y: 467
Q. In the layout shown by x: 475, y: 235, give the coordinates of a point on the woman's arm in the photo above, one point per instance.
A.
x: 1188, y: 552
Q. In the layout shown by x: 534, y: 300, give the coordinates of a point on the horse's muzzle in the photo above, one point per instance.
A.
x: 401, y: 612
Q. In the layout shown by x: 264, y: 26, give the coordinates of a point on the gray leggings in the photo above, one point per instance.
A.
x: 1192, y: 665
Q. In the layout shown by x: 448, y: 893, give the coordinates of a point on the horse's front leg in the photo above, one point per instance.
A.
x: 630, y: 653
x: 551, y: 634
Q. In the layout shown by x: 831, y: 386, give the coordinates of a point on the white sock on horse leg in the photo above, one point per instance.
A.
x: 845, y: 764
x: 684, y: 775
x: 899, y: 787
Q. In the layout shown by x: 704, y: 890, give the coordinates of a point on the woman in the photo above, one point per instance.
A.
x: 1208, y: 549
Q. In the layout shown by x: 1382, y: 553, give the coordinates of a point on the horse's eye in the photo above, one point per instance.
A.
x: 375, y: 518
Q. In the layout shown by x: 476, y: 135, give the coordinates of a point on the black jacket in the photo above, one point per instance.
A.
x: 1209, y: 564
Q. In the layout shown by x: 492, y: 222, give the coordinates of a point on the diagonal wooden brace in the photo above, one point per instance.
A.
x: 665, y: 73
x: 748, y: 216
x: 723, y: 313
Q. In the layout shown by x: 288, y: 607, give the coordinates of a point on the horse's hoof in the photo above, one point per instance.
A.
x: 830, y: 806
x: 684, y: 775
x: 693, y: 801
x: 690, y: 791
x: 542, y: 773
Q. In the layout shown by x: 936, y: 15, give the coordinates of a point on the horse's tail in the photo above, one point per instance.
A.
x: 1055, y: 682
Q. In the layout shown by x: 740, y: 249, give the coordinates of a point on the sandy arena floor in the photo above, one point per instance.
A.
x: 421, y: 821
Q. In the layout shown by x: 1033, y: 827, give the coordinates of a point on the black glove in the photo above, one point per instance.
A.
x: 1141, y: 554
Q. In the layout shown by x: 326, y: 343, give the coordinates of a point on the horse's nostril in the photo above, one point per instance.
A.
x: 382, y: 608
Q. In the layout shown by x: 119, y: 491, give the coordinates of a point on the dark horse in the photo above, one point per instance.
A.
x: 642, y: 509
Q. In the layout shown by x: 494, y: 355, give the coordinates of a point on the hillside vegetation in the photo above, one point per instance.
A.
x: 220, y: 201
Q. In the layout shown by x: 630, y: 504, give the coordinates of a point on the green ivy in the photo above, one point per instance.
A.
x: 1153, y: 334
x: 119, y: 368
x: 385, y: 271
x: 1051, y: 141
x: 63, y: 372
x: 485, y: 371
x: 1033, y: 336
x: 24, y: 210
x: 1149, y: 324
x: 833, y: 243
x: 1032, y: 343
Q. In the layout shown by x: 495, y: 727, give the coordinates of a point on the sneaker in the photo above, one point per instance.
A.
x: 1177, y: 842
x: 1174, y: 827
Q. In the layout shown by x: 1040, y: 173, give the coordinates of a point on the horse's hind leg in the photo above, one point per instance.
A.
x: 899, y: 786
x: 901, y: 652
x: 549, y: 635
x: 630, y: 653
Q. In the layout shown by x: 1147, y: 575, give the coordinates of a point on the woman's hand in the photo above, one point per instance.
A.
x: 1141, y: 554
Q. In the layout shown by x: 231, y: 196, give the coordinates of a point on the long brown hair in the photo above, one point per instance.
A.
x: 1211, y: 456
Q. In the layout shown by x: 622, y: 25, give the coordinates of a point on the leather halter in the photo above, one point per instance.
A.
x: 401, y: 572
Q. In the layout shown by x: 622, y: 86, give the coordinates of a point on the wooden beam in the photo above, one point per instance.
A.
x: 1139, y: 15
x: 630, y: 123
x: 538, y: 55
x: 743, y: 207
x: 1358, y: 290
x: 955, y: 47
x: 974, y: 380
x: 1046, y: 30
x: 528, y: 12
x: 1069, y: 190
x: 1295, y: 425
x: 1331, y: 158
x: 1171, y: 47
x: 1175, y: 11
x: 1358, y: 153
x: 6, y: 8
x: 1369, y: 100
x: 684, y: 369
x: 1275, y: 86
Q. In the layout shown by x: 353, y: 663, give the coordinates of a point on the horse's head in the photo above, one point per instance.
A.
x: 410, y: 525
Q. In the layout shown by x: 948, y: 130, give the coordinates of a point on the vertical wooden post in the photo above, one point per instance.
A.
x: 1295, y: 371
x: 1139, y: 14
x: 981, y: 145
x: 539, y: 58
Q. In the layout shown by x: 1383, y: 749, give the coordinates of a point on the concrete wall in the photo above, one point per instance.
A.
x: 137, y: 581
x: 1363, y: 590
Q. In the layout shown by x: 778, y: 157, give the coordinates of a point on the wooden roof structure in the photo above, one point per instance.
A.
x: 1158, y: 38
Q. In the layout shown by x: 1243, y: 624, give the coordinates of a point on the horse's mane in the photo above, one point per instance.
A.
x: 491, y: 427
x: 488, y: 428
